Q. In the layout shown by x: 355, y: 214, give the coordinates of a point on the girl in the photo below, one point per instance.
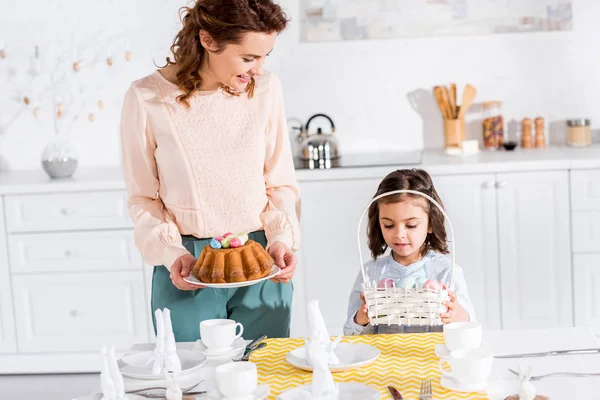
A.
x: 206, y: 151
x: 413, y: 229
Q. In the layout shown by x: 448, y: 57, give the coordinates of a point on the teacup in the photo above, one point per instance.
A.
x: 474, y: 367
x: 219, y: 334
x: 237, y: 379
x: 462, y: 335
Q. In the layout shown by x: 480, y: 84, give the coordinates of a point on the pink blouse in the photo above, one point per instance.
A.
x: 223, y: 165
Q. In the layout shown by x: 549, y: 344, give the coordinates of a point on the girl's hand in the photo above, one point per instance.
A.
x: 284, y: 259
x: 456, y: 312
x: 182, y: 268
x: 362, y: 317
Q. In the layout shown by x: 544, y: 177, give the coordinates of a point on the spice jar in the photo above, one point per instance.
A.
x: 526, y: 135
x: 493, y: 125
x: 579, y: 132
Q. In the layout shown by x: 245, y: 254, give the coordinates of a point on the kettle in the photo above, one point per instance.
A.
x: 318, y: 146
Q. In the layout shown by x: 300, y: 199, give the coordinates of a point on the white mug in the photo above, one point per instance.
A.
x: 462, y: 335
x: 237, y: 379
x: 475, y: 367
x: 219, y: 333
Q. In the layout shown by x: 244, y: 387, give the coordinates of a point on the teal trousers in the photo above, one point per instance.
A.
x: 263, y: 308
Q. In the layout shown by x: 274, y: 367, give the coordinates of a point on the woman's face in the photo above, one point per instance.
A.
x: 236, y: 64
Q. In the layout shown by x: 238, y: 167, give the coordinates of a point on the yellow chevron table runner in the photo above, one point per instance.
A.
x: 405, y: 360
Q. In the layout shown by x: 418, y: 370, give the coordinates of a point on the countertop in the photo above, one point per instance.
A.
x: 435, y: 162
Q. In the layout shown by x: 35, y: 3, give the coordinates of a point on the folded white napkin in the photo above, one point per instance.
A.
x: 527, y: 391
x: 318, y: 332
x: 173, y: 390
x: 111, y: 380
x: 165, y: 356
x: 323, y: 387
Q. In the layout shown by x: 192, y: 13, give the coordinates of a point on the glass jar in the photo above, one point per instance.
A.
x: 579, y: 134
x: 493, y: 125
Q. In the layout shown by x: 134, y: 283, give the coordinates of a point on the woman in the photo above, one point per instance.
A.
x: 206, y: 151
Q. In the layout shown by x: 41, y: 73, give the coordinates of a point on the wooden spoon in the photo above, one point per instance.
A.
x: 467, y: 100
x: 453, y: 100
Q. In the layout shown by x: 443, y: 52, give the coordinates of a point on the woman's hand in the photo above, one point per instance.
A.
x: 456, y: 312
x: 284, y: 259
x: 362, y: 316
x: 182, y: 268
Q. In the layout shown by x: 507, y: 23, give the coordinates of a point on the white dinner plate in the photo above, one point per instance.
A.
x: 135, y: 365
x: 351, y: 355
x: 348, y: 391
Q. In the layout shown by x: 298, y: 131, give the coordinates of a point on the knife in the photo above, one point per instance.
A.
x: 551, y: 353
x: 395, y: 393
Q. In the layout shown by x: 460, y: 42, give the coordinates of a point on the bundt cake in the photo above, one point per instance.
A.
x: 232, y: 258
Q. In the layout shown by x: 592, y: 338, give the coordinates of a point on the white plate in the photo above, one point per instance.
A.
x: 351, y: 355
x: 348, y: 391
x: 455, y: 386
x: 261, y: 392
x: 238, y: 346
x: 135, y: 365
x: 275, y: 270
x: 98, y: 396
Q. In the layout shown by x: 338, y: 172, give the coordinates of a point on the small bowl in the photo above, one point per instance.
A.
x: 509, y: 146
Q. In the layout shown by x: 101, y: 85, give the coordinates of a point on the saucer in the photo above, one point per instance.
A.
x: 238, y: 345
x: 261, y: 392
x: 455, y: 386
x: 442, y: 351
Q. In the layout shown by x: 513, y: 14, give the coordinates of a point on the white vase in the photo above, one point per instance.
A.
x: 59, y: 158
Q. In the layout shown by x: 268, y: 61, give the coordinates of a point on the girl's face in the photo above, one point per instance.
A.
x: 405, y: 226
x: 237, y: 63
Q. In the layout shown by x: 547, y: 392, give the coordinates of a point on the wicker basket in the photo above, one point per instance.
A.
x: 400, y: 306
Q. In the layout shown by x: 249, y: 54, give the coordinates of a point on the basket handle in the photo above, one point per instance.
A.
x: 453, y: 257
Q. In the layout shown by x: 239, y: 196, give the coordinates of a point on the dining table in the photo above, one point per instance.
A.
x: 406, y: 360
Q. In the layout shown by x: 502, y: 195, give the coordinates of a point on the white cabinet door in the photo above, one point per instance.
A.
x: 585, y: 190
x: 470, y: 202
x: 79, y: 312
x: 7, y: 327
x: 535, y: 250
x: 329, y: 256
x: 586, y: 271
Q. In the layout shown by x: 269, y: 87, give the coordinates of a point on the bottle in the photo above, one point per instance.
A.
x: 526, y: 136
x: 540, y: 136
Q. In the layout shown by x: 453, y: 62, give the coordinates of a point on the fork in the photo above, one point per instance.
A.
x: 425, y: 393
x: 572, y: 374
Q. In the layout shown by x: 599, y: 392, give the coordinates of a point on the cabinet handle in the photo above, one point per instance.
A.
x: 75, y: 313
x: 66, y: 211
x: 501, y: 184
x: 488, y: 184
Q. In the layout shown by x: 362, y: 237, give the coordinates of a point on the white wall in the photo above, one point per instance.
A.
x: 377, y: 92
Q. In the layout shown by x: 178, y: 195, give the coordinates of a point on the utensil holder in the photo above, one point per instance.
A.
x: 454, y: 132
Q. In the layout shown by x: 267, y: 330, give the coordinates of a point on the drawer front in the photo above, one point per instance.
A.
x: 585, y: 190
x: 586, y: 232
x: 79, y: 312
x: 72, y: 252
x: 72, y: 211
